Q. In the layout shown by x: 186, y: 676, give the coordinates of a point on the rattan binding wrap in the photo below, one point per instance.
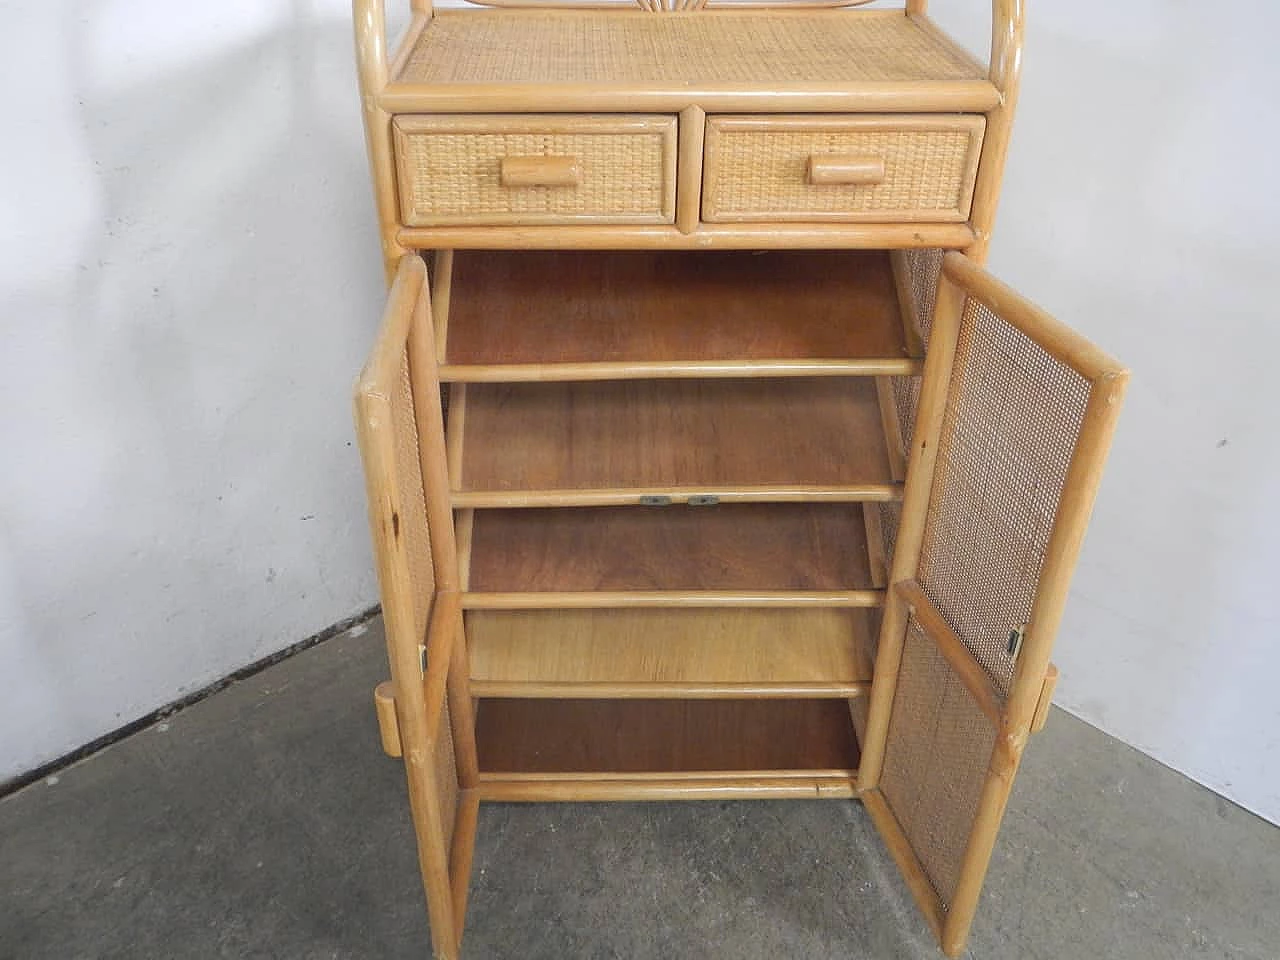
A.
x: 450, y: 171
x: 714, y: 47
x: 758, y: 169
x: 937, y: 760
x: 1007, y: 441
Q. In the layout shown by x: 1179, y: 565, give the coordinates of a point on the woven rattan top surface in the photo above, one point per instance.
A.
x: 628, y: 48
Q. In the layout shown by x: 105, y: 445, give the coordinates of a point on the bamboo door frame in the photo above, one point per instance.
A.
x: 426, y: 672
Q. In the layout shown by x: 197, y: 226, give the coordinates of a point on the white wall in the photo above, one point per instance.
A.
x: 1141, y: 207
x: 190, y: 279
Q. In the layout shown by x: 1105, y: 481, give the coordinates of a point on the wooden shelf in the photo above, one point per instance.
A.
x: 644, y: 653
x: 637, y: 737
x: 599, y: 444
x: 579, y: 315
x: 737, y: 551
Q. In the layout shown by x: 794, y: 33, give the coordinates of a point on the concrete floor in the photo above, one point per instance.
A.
x: 264, y: 822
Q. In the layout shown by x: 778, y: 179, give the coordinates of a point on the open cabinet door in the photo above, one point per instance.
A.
x: 400, y: 428
x: 1015, y: 417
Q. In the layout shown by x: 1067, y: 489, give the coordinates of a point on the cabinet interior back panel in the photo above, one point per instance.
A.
x: 782, y: 546
x: 664, y: 736
x: 550, y: 306
x: 670, y: 433
x: 813, y: 647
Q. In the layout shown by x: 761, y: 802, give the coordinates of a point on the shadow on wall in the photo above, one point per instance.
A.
x: 191, y: 499
x: 1122, y: 214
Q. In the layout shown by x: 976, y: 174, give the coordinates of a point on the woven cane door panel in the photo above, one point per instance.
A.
x: 1018, y: 423
x: 936, y: 760
x: 451, y: 169
x: 1010, y: 429
x: 413, y: 502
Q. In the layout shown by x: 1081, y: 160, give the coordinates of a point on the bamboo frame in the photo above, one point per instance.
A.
x: 692, y: 134
x: 663, y: 690
x: 1008, y: 26
x: 881, y: 96
x: 688, y: 599
x: 672, y: 369
x: 621, y: 496
x: 835, y: 785
x: 706, y: 236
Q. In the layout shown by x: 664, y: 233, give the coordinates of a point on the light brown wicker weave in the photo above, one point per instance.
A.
x: 672, y: 448
x: 718, y: 47
x: 797, y: 168
x: 459, y: 169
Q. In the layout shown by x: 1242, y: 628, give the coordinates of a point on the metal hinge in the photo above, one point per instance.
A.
x: 1016, y: 636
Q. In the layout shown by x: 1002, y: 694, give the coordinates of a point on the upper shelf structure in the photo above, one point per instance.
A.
x: 722, y: 59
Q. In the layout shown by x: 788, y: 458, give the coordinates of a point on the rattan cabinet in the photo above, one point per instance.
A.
x: 704, y: 460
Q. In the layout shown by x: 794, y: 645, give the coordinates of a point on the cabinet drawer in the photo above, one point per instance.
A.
x: 536, y: 169
x: 876, y: 168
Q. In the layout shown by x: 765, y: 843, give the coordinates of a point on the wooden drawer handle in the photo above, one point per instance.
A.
x: 838, y: 168
x: 540, y: 171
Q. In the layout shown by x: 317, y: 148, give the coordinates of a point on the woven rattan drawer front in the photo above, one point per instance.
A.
x: 536, y: 169
x: 885, y: 169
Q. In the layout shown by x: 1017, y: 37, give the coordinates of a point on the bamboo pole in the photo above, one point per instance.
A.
x: 688, y: 599
x: 1008, y: 26
x: 707, y: 236
x: 369, y: 17
x: 970, y: 672
x: 693, y: 122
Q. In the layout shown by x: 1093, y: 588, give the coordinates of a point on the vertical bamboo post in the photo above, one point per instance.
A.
x: 1008, y: 25
x: 691, y: 132
x: 915, y: 506
x: 370, y: 21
